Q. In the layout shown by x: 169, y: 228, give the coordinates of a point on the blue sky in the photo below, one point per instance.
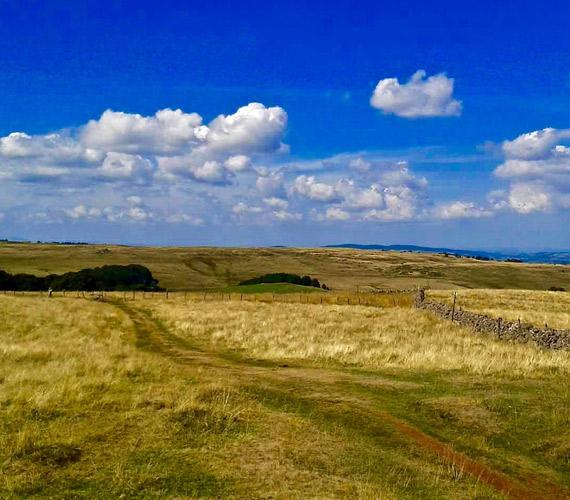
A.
x: 439, y: 123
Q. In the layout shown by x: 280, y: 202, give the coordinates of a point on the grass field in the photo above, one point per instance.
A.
x: 187, y: 398
x: 536, y: 308
x: 340, y: 269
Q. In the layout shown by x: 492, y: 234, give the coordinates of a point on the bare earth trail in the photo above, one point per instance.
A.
x: 153, y: 336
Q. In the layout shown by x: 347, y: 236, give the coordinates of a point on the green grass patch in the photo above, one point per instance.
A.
x: 271, y: 288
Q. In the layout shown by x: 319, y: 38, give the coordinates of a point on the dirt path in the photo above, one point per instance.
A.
x: 153, y: 336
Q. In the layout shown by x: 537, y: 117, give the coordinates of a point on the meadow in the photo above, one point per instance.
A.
x: 341, y: 269
x: 271, y: 396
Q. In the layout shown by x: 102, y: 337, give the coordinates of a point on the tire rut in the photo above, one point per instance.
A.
x: 153, y: 336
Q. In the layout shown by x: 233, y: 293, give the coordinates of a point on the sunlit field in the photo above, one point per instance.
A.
x: 266, y: 396
x: 368, y: 337
x: 533, y: 307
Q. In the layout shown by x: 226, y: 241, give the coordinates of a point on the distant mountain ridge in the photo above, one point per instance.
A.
x: 558, y: 257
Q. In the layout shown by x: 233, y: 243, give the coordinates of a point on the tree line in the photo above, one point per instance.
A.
x: 108, y: 278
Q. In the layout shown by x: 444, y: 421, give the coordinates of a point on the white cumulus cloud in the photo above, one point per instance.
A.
x: 170, y: 145
x: 82, y: 212
x: 269, y: 183
x: 419, y: 97
x: 460, y: 210
x: 309, y: 187
x: 284, y: 215
x: 238, y: 163
x: 400, y: 203
x: 251, y: 129
x: 122, y: 166
x: 337, y: 214
x: 537, y: 164
x: 168, y: 131
x: 277, y: 203
x: 241, y: 209
x: 529, y: 197
x: 534, y: 145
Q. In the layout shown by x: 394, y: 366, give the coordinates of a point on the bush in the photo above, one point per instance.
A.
x: 557, y: 289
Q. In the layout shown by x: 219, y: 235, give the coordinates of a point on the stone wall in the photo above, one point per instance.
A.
x: 520, y: 332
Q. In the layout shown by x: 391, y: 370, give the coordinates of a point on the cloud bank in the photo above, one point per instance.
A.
x: 174, y: 168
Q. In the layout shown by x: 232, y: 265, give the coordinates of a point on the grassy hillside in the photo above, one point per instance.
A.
x: 161, y: 398
x: 200, y: 268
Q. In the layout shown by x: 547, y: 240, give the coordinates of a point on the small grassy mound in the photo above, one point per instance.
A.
x: 271, y: 288
x: 294, y: 279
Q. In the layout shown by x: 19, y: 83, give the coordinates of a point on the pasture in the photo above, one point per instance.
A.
x: 272, y: 396
x: 341, y: 269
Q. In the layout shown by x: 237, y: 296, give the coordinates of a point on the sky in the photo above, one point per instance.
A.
x: 286, y: 123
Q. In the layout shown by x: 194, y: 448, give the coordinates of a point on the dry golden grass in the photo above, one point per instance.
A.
x: 368, y: 337
x: 86, y: 413
x: 533, y: 307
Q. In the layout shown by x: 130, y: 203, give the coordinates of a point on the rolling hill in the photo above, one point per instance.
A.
x: 197, y: 268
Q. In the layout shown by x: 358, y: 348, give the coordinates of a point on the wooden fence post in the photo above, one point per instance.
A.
x: 499, y: 327
x: 453, y: 307
x: 167, y: 294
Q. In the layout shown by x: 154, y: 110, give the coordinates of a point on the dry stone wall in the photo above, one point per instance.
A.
x: 544, y: 337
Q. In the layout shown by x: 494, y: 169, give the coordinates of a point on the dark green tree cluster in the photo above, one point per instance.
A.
x: 108, y: 278
x: 294, y: 279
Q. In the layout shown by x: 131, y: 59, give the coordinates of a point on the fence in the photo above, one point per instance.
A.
x: 391, y: 298
x: 548, y: 338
